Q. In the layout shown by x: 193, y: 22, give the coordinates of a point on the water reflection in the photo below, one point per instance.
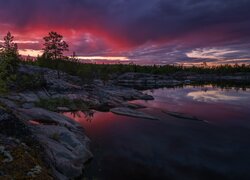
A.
x: 227, y: 106
x: 130, y: 148
x: 81, y: 115
x: 213, y: 96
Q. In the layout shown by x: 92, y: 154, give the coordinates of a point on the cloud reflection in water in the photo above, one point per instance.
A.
x: 213, y: 96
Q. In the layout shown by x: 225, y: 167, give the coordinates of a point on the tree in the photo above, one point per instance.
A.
x: 9, y: 48
x: 54, y: 46
x: 9, y: 62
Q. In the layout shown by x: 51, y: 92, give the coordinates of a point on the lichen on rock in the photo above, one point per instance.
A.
x: 6, y: 154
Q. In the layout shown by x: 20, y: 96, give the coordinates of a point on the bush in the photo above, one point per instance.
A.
x: 27, y: 81
x: 53, y: 104
x: 8, y: 70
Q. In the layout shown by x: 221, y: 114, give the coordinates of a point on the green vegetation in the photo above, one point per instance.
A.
x: 30, y: 82
x: 9, y: 64
x: 53, y: 104
x: 54, y: 46
x: 55, y: 136
x: 24, y: 161
x: 9, y: 61
x: 26, y: 153
x: 89, y: 71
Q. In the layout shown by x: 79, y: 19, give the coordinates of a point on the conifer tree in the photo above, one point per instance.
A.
x: 54, y: 47
x: 9, y: 62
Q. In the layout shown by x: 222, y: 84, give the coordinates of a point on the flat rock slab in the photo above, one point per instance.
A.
x: 68, y: 150
x: 182, y: 116
x: 28, y: 105
x: 133, y: 105
x: 132, y: 113
x: 29, y: 97
x: 10, y: 104
x: 45, y: 115
x: 63, y: 109
x: 64, y: 141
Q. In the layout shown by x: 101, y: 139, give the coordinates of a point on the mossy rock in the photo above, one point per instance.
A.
x: 24, y: 160
x: 25, y: 151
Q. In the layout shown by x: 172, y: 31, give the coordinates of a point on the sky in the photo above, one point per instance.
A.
x: 139, y: 31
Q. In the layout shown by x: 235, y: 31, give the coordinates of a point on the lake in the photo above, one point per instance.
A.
x: 217, y: 146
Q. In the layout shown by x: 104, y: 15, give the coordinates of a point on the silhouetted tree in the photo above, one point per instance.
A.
x: 54, y: 47
x: 9, y: 47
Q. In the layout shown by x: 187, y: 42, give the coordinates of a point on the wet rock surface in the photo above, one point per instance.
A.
x: 132, y: 113
x: 182, y: 116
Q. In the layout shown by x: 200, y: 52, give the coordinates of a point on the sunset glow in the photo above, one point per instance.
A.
x: 23, y: 42
x: 153, y: 32
x: 30, y: 52
x: 124, y: 89
x: 103, y: 58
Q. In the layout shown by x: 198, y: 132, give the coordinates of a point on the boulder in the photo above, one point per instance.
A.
x: 64, y: 141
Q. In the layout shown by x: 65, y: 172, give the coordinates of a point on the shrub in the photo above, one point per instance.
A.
x: 54, y: 103
x: 27, y: 81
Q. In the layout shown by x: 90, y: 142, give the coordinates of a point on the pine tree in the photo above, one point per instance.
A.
x: 54, y: 48
x: 9, y: 62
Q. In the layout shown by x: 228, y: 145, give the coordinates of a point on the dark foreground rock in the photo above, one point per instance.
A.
x: 21, y: 155
x: 53, y: 145
x: 63, y: 140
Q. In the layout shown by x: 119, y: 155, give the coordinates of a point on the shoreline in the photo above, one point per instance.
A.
x: 62, y: 140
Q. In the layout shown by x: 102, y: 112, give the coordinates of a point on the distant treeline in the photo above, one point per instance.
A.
x: 104, y: 71
x: 53, y: 57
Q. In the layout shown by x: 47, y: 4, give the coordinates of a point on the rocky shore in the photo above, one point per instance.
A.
x: 21, y: 154
x: 148, y: 81
x: 62, y: 146
x: 37, y: 138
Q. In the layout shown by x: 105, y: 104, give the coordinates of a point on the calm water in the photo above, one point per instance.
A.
x: 174, y: 148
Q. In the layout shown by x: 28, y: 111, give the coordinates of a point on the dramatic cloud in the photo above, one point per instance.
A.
x: 144, y: 31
